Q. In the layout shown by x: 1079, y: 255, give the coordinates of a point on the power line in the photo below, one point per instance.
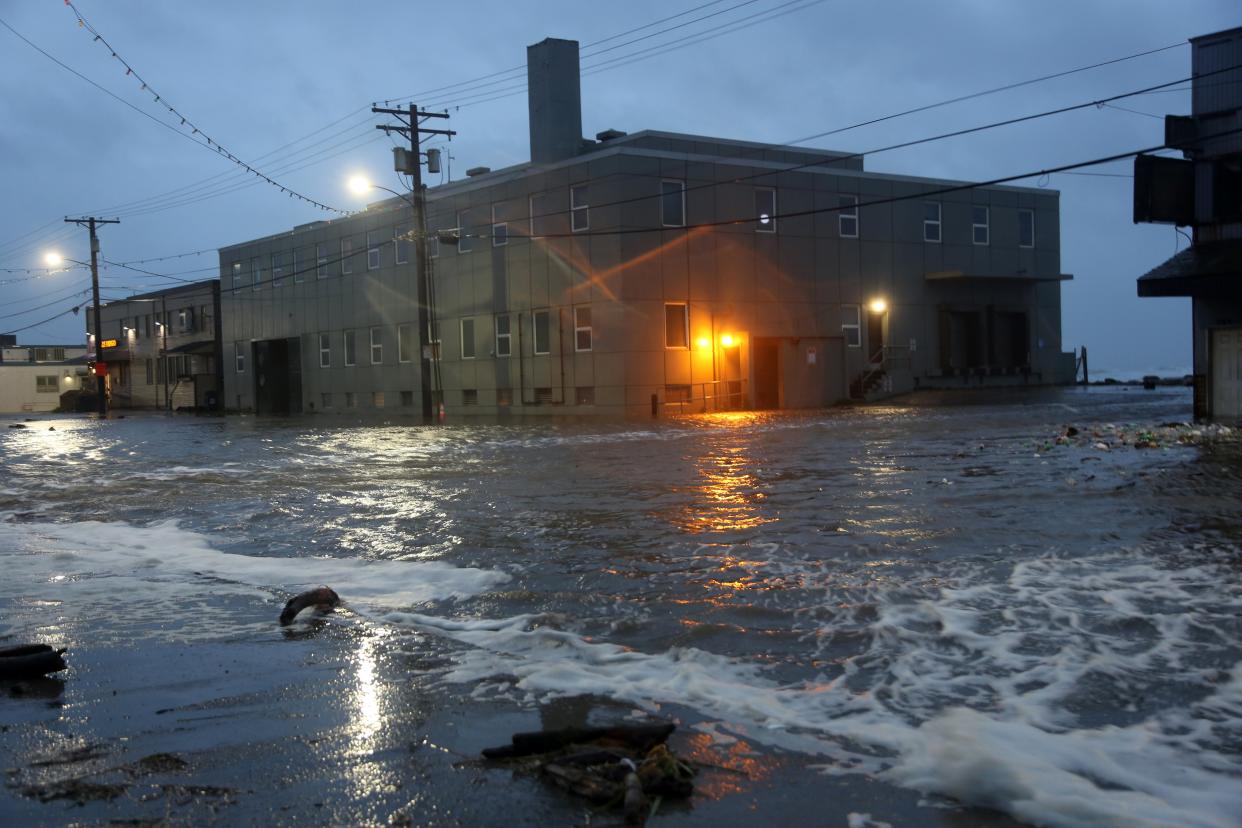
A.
x: 186, y: 122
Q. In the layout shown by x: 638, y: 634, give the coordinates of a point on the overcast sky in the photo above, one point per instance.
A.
x: 265, y: 80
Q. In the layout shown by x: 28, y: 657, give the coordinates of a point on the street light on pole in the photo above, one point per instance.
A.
x: 91, y: 223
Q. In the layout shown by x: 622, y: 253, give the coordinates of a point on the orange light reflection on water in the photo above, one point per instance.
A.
x: 726, y: 769
x: 728, y: 494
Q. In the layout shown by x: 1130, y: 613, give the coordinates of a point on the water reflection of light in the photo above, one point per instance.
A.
x: 743, y: 766
x: 728, y: 493
x: 368, y: 714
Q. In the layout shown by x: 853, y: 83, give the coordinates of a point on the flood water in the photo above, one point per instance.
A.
x: 930, y: 595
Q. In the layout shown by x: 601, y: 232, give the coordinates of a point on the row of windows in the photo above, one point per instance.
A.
x: 183, y: 320
x: 296, y: 264
x: 541, y: 326
x: 583, y: 395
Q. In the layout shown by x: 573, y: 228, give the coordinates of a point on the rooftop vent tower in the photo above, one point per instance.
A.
x: 555, y: 100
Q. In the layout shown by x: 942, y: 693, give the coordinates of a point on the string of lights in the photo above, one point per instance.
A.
x: 187, y: 123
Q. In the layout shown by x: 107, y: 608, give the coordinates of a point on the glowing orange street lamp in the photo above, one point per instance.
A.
x: 727, y: 340
x: 703, y: 342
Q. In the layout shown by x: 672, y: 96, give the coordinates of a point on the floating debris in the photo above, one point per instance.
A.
x: 322, y: 599
x: 30, y: 661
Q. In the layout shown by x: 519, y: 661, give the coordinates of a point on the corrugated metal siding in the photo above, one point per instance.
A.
x: 1220, y: 92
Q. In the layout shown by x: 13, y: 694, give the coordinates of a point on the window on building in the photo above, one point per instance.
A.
x: 541, y: 322
x: 47, y: 385
x: 351, y: 399
x: 185, y: 320
x: 579, y: 209
x: 463, y: 232
x: 500, y: 229
x: 325, y: 399
x: 851, y: 325
x: 537, y: 206
x: 351, y: 354
x: 765, y: 210
x: 377, y: 399
x: 504, y: 397
x: 1026, y: 228
x: 239, y: 278
x: 347, y: 256
x: 470, y: 396
x: 405, y: 342
x: 582, y: 328
x: 278, y: 268
x: 325, y: 350
x: 847, y: 216
x: 979, y: 225
x: 543, y: 395
x: 931, y: 221
x: 676, y: 326
x: 401, y: 243
x: 584, y: 395
x: 374, y: 241
x: 377, y: 346
x: 258, y: 273
x: 321, y: 261
x: 504, y: 339
x: 673, y: 203
x: 433, y: 244
x: 407, y: 399
x: 299, y: 265
x: 239, y: 351
x: 467, y: 339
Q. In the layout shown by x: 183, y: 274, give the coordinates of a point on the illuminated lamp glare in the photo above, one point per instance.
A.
x: 878, y: 306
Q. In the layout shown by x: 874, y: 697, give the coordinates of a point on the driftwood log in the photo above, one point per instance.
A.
x: 639, y: 738
x: 30, y: 661
x: 322, y: 598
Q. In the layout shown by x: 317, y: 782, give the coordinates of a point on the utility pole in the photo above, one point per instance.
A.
x: 428, y: 328
x: 99, y: 383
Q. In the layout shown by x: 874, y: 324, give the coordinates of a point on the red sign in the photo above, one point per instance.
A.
x: 101, y: 369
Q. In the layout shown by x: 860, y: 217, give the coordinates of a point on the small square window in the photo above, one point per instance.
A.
x: 851, y: 325
x: 405, y: 342
x: 347, y: 256
x: 676, y: 326
x: 351, y: 399
x: 931, y: 221
x: 407, y: 399
x: 321, y: 261
x: 541, y: 320
x: 582, y: 328
x: 377, y: 346
x: 979, y: 225
x: 351, y: 354
x: 765, y: 210
x: 377, y: 399
x: 504, y: 337
x: 1026, y: 228
x: 579, y: 210
x: 373, y: 249
x: 500, y: 229
x: 673, y: 203
x: 467, y: 339
x: 847, y: 216
x: 470, y: 396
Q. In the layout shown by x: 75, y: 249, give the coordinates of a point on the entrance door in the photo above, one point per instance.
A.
x: 277, y: 377
x: 767, y: 372
x: 875, y: 336
x: 1227, y: 374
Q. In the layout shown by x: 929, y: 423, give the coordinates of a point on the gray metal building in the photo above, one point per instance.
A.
x: 650, y: 270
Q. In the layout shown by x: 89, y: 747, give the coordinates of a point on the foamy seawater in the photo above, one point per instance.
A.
x: 936, y: 597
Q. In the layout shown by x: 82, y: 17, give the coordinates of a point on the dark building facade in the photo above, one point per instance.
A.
x: 1203, y: 191
x: 650, y: 271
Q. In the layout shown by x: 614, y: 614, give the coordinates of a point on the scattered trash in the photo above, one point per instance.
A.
x: 1109, y: 436
x: 30, y: 661
x: 322, y: 599
x: 625, y: 766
